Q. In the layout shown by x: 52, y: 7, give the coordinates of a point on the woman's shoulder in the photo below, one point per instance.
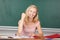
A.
x: 37, y: 23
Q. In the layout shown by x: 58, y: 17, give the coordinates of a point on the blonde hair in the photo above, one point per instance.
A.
x: 35, y: 19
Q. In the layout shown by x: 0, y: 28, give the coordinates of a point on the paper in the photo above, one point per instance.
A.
x: 15, y: 37
x: 21, y: 37
x: 3, y: 36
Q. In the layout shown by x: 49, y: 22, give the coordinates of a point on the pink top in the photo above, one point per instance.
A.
x: 27, y: 29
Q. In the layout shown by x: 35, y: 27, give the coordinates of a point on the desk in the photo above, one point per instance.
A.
x: 9, y: 38
x: 20, y: 39
x: 2, y: 37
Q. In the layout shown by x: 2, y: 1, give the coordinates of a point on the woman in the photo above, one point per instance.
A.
x: 29, y: 23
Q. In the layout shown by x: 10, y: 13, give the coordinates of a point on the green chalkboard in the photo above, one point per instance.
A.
x: 10, y: 10
x: 50, y: 13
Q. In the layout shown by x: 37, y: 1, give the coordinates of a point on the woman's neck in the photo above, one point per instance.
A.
x: 30, y: 19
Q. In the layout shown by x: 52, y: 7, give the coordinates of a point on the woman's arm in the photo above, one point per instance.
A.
x: 20, y: 24
x: 40, y: 33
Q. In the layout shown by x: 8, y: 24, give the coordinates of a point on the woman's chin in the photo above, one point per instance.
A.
x: 31, y: 17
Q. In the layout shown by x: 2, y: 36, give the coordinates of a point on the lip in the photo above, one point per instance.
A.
x: 31, y: 16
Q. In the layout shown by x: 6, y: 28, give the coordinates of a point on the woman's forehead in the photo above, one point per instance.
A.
x: 33, y: 9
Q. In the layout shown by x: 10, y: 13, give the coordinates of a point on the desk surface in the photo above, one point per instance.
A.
x: 11, y: 38
x: 21, y: 39
x: 17, y: 38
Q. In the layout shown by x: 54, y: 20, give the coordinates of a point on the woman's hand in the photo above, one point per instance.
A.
x: 18, y: 34
x: 23, y: 16
x: 20, y: 24
x: 31, y: 34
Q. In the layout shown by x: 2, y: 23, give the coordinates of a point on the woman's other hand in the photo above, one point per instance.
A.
x: 23, y: 16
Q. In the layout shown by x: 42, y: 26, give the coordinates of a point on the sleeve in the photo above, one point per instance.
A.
x: 38, y: 23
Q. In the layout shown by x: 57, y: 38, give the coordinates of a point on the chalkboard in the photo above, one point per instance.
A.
x: 10, y: 10
x: 50, y: 13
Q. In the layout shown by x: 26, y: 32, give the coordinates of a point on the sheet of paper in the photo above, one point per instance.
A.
x: 3, y: 36
x: 13, y: 36
x: 21, y: 37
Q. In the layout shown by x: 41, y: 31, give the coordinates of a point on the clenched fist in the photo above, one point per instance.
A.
x: 23, y: 16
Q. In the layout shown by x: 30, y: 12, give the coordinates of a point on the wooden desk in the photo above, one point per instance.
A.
x: 20, y: 39
x: 2, y: 37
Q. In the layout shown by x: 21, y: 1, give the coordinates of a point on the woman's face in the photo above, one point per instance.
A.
x: 32, y: 12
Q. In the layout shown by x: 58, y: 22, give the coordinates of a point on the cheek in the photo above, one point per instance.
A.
x: 34, y: 14
x: 29, y: 13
